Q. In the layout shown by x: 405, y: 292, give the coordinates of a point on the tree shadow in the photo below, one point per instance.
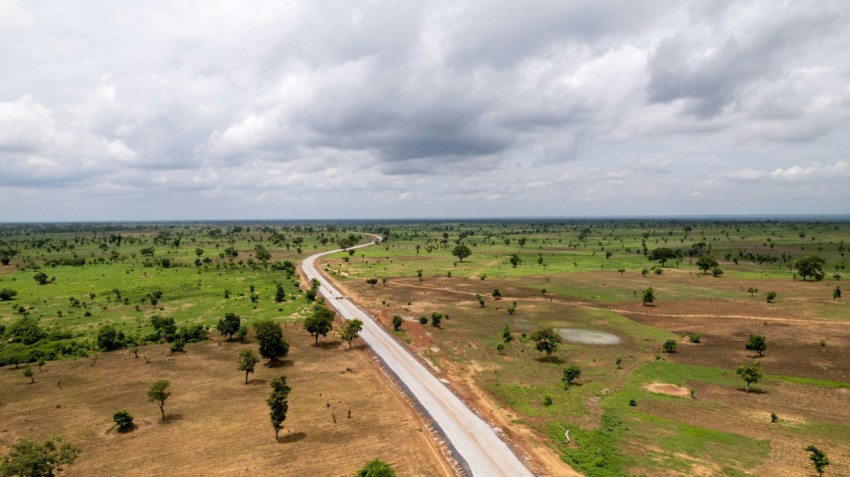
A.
x: 279, y: 363
x: 256, y: 381
x: 329, y: 344
x: 169, y: 418
x: 551, y: 359
x: 753, y: 391
x: 292, y: 437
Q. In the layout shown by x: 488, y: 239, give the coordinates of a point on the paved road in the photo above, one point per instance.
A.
x: 475, y: 444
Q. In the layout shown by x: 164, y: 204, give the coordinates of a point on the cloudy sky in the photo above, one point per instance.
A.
x: 120, y: 110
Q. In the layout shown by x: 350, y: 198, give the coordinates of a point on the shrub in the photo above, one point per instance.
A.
x: 695, y: 338
x: 123, y: 420
x: 669, y: 346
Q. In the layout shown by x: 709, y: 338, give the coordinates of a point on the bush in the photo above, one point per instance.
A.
x: 376, y: 468
x: 178, y: 345
x: 123, y: 420
x: 771, y: 295
x: 109, y: 339
x: 423, y: 320
x: 695, y: 338
x: 632, y: 402
x: 669, y: 346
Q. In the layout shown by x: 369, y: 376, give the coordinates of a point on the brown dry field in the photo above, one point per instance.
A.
x: 216, y: 424
x: 802, y: 316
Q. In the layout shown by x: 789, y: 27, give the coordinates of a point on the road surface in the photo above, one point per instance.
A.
x: 475, y: 444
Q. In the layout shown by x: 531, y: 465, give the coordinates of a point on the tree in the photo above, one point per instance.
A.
x: 752, y: 291
x: 375, y: 468
x: 350, y: 330
x: 109, y: 339
x: 7, y: 294
x: 756, y: 343
x: 6, y: 255
x: 515, y: 260
x: 242, y: 333
x: 278, y: 403
x: 157, y: 393
x: 372, y: 282
x: 662, y: 254
x: 45, y: 459
x: 319, y: 322
x: 771, y: 295
x: 262, y: 254
x: 506, y: 334
x: 571, y: 373
x: 669, y: 346
x: 40, y: 278
x: 480, y: 299
x: 522, y: 241
x: 436, y: 318
x: 247, y: 360
x: 497, y: 295
x: 123, y: 421
x: 28, y: 374
x: 836, y: 294
x: 810, y: 266
x: 648, y: 296
x: 397, y: 322
x: 461, y: 251
x: 706, y: 263
x: 279, y: 294
x: 229, y: 325
x: 270, y: 337
x: 818, y: 458
x: 750, y: 373
x: 546, y: 341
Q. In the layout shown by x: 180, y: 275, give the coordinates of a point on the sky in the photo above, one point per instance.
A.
x: 170, y: 110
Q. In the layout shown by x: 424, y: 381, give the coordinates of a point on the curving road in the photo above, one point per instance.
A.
x: 475, y: 444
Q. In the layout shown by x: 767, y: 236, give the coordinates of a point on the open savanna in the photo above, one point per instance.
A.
x: 565, y: 280
x: 215, y: 423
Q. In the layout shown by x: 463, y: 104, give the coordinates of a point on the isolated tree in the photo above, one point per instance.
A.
x: 279, y: 294
x: 836, y: 294
x: 109, y: 338
x: 750, y: 373
x: 40, y: 278
x: 278, y: 403
x: 497, y: 295
x: 229, y: 325
x: 546, y: 341
x: 706, y: 263
x: 770, y: 296
x: 521, y: 241
x: 810, y: 266
x: 376, y: 468
x: 752, y: 291
x: 242, y: 333
x: 45, y: 459
x: 270, y: 338
x: 571, y: 373
x: 436, y: 318
x: 28, y: 374
x: 319, y: 322
x: 515, y: 260
x: 247, y: 360
x: 818, y: 458
x: 662, y: 254
x: 262, y: 254
x: 461, y: 251
x: 648, y: 296
x: 756, y: 343
x: 350, y: 330
x: 157, y: 393
x: 7, y: 294
x: 669, y: 346
x: 397, y: 322
x: 506, y: 334
x: 372, y: 282
x: 123, y: 421
x: 480, y: 299
x: 6, y: 255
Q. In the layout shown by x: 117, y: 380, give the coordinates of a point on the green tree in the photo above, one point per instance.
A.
x: 375, y: 468
x: 836, y: 294
x: 28, y: 374
x: 810, y: 266
x: 7, y: 294
x: 109, y: 338
x: 756, y: 343
x: 242, y: 333
x: 279, y: 294
x: 6, y: 255
x: 818, y: 458
x: 372, y: 282
x: 319, y: 322
x: 397, y: 322
x: 40, y: 278
x: 546, y: 341
x: 436, y: 318
x: 461, y: 251
x: 123, y: 421
x: 662, y: 255
x: 157, y: 393
x: 648, y: 296
x: 45, y: 459
x: 247, y: 360
x: 350, y: 330
x: 506, y: 334
x: 229, y: 325
x: 706, y: 263
x: 771, y: 295
x: 669, y: 346
x: 571, y: 373
x: 497, y: 295
x: 278, y: 403
x: 480, y: 299
x: 750, y: 373
x: 262, y: 254
x: 270, y: 338
x: 515, y: 260
x: 752, y: 291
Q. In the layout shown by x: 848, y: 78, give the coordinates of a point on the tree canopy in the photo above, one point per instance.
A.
x: 810, y: 266
x: 319, y: 322
x: 546, y: 341
x: 461, y: 251
x: 38, y: 459
x: 270, y: 337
